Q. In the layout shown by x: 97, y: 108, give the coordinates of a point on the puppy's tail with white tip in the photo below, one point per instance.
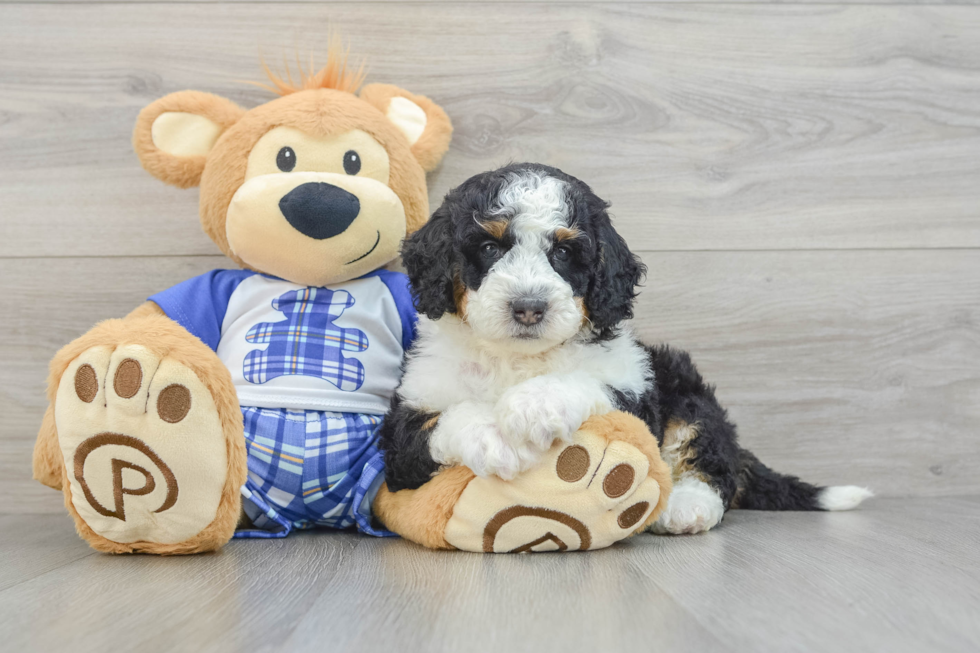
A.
x: 760, y: 488
x: 842, y: 497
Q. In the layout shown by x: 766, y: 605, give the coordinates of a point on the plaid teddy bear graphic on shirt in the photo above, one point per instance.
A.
x: 307, y: 342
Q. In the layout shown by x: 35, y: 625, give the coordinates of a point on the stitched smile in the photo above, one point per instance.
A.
x: 373, y: 247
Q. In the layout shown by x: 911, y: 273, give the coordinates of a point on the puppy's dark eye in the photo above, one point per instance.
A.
x: 562, y: 253
x: 490, y: 250
x: 286, y: 159
x: 352, y: 162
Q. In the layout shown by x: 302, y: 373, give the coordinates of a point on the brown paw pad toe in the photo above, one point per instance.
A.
x: 174, y: 403
x: 86, y: 383
x: 619, y: 480
x: 129, y: 377
x: 632, y: 515
x: 573, y: 464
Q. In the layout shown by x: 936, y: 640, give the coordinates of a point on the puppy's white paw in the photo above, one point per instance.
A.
x: 693, y: 507
x: 487, y: 453
x: 536, y: 413
x: 467, y: 434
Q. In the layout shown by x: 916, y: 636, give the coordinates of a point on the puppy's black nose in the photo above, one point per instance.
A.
x: 319, y: 210
x: 528, y: 311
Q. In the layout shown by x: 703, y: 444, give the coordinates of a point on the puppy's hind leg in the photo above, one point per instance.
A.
x: 695, y: 505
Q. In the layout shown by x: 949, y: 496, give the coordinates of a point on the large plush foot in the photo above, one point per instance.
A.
x: 149, y: 459
x: 693, y: 507
x: 606, y: 485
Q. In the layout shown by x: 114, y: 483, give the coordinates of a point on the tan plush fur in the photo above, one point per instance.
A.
x: 165, y: 338
x: 320, y: 113
x: 434, y: 142
x: 48, y: 465
x: 421, y: 515
x: 183, y: 172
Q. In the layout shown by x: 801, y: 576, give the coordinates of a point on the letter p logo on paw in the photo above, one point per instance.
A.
x: 119, y: 484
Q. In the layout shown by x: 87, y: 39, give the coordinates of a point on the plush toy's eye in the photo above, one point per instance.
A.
x: 562, y: 252
x: 352, y: 162
x: 286, y: 159
x: 489, y: 250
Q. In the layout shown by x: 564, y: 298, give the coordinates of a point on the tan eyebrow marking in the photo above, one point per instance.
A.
x: 567, y: 233
x: 496, y: 228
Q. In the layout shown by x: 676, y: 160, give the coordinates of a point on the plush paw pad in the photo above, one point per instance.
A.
x: 143, y: 445
x: 582, y: 496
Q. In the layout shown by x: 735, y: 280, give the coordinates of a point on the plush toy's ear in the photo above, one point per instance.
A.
x: 424, y: 123
x: 174, y: 135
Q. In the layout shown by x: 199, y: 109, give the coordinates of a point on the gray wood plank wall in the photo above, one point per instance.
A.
x: 802, y: 180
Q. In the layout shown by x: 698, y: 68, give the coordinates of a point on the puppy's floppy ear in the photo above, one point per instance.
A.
x: 429, y: 259
x: 174, y: 135
x: 617, y: 273
x: 424, y: 123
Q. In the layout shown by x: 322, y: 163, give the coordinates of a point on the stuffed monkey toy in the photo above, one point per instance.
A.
x: 246, y: 402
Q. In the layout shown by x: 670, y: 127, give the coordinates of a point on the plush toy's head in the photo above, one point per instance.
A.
x: 316, y: 187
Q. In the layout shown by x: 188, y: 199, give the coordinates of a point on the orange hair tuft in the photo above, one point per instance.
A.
x: 334, y: 75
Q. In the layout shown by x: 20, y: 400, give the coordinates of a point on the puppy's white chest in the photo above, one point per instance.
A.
x: 474, y: 379
x: 488, y: 379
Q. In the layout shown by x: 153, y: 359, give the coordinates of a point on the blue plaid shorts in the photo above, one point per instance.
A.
x: 309, y: 469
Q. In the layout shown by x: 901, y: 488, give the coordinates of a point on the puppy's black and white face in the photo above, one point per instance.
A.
x: 526, y: 256
x: 523, y: 274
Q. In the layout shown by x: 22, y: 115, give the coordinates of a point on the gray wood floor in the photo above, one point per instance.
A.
x: 801, y: 179
x: 898, y: 575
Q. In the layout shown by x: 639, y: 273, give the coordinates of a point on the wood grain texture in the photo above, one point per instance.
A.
x: 707, y: 126
x: 866, y: 361
x: 843, y: 367
x: 896, y: 575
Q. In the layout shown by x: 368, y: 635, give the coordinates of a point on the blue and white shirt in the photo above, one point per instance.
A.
x: 337, y: 348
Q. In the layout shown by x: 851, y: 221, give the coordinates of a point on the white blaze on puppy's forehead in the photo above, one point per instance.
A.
x: 536, y: 204
x: 536, y: 207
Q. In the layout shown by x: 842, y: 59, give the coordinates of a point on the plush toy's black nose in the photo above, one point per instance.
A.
x: 319, y: 210
x: 528, y: 311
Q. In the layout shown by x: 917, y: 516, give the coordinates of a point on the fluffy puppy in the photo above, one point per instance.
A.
x: 522, y: 285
